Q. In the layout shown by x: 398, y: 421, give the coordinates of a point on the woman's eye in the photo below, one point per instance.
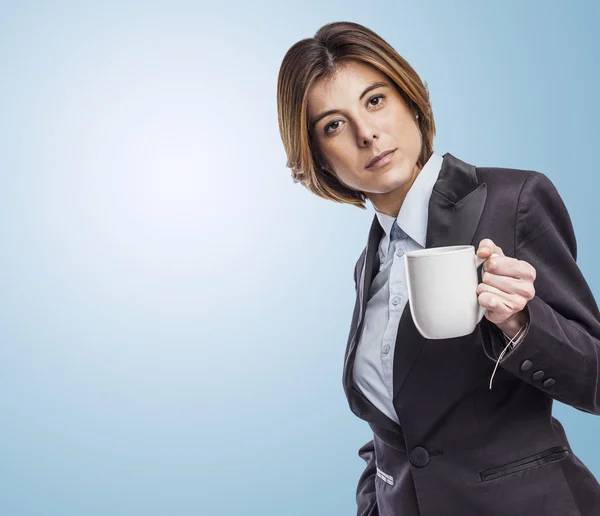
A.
x: 377, y: 98
x: 332, y: 126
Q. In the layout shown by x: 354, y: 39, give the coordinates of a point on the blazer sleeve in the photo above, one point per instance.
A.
x: 366, y: 499
x: 560, y: 354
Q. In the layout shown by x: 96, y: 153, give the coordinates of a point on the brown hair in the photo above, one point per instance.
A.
x: 313, y: 59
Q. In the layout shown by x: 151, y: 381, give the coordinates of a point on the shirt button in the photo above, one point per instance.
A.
x: 399, y: 252
x: 395, y: 301
x: 386, y: 349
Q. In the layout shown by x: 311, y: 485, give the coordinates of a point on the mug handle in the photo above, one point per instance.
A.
x: 478, y: 263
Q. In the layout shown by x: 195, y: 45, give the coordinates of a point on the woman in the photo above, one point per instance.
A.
x: 356, y: 124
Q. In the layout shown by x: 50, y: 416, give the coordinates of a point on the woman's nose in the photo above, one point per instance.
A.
x: 366, y: 134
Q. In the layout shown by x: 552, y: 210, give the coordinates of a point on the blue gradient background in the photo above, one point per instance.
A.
x: 173, y: 309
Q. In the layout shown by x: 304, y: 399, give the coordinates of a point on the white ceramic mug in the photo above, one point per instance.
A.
x: 442, y: 290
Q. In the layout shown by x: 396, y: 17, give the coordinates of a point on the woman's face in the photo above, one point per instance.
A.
x: 357, y: 115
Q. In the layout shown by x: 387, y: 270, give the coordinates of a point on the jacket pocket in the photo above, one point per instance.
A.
x: 388, y: 479
x: 546, y: 457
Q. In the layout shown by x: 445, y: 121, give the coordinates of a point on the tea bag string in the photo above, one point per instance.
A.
x: 510, y: 343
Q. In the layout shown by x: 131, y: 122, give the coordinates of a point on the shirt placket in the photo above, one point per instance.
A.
x: 395, y: 305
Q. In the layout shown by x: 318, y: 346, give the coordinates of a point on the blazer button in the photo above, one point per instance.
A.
x: 549, y: 382
x: 419, y: 457
x: 526, y: 365
x: 538, y: 375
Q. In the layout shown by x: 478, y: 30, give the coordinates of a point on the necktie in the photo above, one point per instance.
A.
x: 395, y: 234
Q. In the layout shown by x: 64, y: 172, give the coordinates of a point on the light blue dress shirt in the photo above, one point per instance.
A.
x: 388, y: 294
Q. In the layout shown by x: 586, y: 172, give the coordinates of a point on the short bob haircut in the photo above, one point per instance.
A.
x: 313, y: 59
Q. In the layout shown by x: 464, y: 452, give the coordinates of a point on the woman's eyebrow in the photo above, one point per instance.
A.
x: 378, y: 84
x: 372, y: 87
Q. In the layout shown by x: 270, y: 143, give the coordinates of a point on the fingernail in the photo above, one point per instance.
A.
x: 484, y: 250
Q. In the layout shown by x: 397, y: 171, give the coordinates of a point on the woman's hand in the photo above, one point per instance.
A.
x: 507, y: 286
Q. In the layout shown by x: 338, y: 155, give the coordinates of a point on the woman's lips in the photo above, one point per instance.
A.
x: 383, y: 161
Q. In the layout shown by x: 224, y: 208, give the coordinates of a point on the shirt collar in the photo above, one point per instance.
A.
x: 413, y: 215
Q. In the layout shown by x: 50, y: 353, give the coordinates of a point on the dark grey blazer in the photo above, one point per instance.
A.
x: 462, y: 449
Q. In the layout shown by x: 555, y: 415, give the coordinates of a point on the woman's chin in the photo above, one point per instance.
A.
x: 393, y: 180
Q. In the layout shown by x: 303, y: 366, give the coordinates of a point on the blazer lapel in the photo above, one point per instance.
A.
x: 455, y: 207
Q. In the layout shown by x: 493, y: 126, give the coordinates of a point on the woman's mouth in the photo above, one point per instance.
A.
x: 382, y: 160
